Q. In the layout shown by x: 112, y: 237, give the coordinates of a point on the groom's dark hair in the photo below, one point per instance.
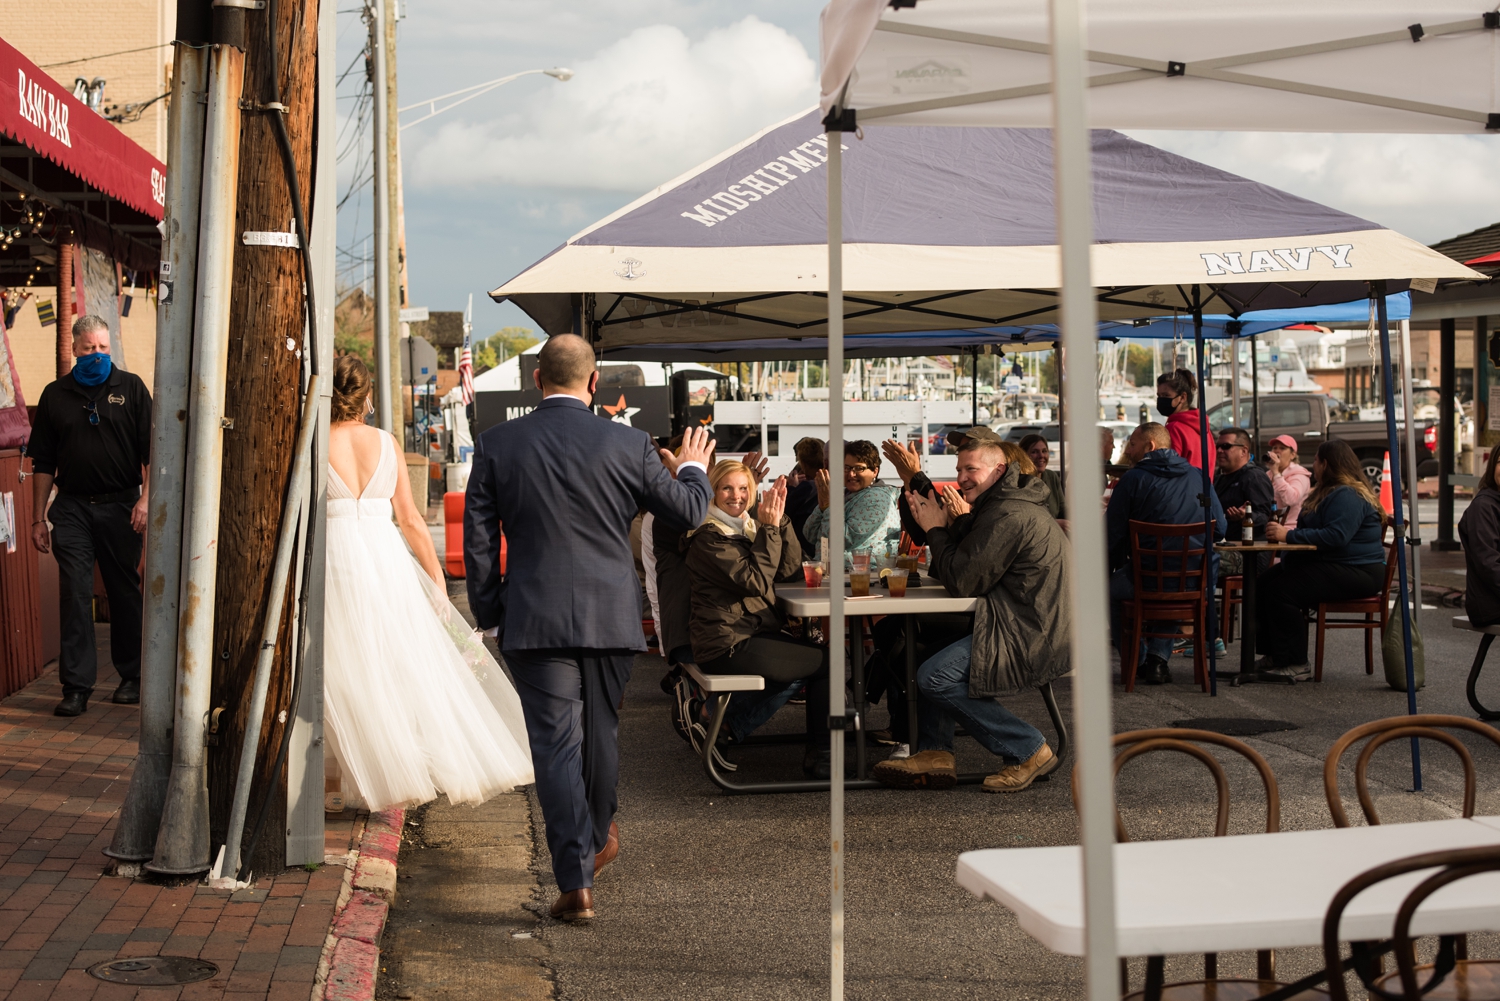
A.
x: 565, y: 362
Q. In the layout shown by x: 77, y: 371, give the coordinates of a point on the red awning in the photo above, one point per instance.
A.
x: 1486, y: 259
x: 37, y: 111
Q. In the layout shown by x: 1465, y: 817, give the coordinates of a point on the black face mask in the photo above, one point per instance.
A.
x: 1165, y: 405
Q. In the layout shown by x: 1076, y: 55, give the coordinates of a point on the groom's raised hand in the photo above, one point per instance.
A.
x: 697, y: 446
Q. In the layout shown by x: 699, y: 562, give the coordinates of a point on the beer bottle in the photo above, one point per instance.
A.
x: 1247, y: 528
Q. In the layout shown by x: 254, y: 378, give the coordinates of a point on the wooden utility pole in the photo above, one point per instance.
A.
x: 64, y: 313
x: 266, y: 345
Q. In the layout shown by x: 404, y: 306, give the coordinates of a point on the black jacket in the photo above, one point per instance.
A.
x: 1479, y: 529
x: 1248, y: 483
x: 1162, y: 488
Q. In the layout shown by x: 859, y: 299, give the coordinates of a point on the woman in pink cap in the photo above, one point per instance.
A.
x: 1290, y: 480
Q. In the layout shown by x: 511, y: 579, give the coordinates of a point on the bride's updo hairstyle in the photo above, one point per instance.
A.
x: 351, y: 388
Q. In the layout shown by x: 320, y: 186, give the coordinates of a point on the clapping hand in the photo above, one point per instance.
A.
x: 697, y: 446
x: 906, y: 458
x: 822, y: 481
x: 954, y: 503
x: 929, y: 512
x: 758, y: 466
x: 772, y: 503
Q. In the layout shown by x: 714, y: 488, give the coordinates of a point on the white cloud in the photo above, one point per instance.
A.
x: 637, y: 113
x: 1428, y: 187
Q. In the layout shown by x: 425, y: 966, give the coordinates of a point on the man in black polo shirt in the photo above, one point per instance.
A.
x: 92, y: 438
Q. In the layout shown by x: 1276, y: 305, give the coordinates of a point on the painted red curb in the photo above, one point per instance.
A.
x: 354, y: 963
x: 362, y: 919
x: 352, y: 971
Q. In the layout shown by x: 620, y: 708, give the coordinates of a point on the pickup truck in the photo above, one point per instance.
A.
x: 1313, y: 418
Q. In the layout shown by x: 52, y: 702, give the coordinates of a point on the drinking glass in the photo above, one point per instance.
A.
x: 896, y: 581
x: 812, y: 573
x: 859, y: 583
x: 860, y: 560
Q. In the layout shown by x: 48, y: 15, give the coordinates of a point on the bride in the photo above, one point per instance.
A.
x: 415, y: 706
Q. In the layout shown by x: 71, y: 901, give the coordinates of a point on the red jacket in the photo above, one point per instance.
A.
x: 1183, y: 427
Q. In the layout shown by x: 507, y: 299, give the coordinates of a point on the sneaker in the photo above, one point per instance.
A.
x: 923, y: 770
x: 1154, y: 672
x: 1014, y: 778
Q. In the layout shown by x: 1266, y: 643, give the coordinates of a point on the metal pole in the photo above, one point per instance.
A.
x: 1234, y: 384
x: 1447, y: 400
x: 1210, y: 620
x: 1411, y: 470
x: 135, y: 835
x: 974, y: 386
x: 1377, y: 301
x: 286, y: 538
x: 836, y: 555
x: 384, y: 404
x: 1255, y: 392
x: 1092, y: 685
x: 182, y: 845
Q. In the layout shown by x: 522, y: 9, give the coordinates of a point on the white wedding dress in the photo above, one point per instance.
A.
x: 415, y: 706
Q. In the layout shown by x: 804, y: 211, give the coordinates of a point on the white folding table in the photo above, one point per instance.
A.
x: 1251, y: 891
x: 928, y: 598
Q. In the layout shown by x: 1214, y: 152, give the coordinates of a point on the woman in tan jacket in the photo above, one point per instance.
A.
x: 734, y: 559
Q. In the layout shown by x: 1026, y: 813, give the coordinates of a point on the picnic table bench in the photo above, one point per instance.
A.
x: 1488, y: 636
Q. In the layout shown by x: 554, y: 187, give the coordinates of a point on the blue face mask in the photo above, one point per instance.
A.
x: 91, y: 370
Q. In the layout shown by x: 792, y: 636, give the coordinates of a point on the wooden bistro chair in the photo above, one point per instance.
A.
x: 1233, y: 586
x: 1173, y: 590
x: 1138, y: 742
x: 1452, y: 976
x: 1372, y: 614
x: 1433, y: 726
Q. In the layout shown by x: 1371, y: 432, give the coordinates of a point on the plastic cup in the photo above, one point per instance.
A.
x: 896, y: 581
x: 907, y: 562
x: 859, y: 583
x: 812, y: 573
x: 860, y: 560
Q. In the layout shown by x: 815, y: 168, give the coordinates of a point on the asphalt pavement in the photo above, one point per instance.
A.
x: 727, y: 896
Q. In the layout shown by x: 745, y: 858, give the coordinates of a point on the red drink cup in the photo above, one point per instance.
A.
x: 812, y: 573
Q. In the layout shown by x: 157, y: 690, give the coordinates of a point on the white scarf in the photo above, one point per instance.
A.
x: 742, y: 525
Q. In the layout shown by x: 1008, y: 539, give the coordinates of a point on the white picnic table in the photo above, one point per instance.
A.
x: 1250, y: 891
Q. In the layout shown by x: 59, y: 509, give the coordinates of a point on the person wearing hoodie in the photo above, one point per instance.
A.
x: 1174, y: 399
x: 1160, y: 487
x: 734, y: 559
x: 1008, y: 552
x: 1290, y: 480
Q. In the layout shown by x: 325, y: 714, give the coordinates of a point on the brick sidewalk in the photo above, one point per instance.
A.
x: 61, y: 785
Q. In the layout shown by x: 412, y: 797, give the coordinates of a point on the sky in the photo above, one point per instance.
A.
x: 662, y: 85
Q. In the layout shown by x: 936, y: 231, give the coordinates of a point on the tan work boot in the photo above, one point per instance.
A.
x: 1014, y: 778
x: 923, y: 770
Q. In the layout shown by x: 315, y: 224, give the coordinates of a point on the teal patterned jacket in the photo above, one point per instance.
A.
x: 870, y: 519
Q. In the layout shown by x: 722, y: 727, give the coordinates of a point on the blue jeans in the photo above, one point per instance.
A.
x: 943, y: 687
x: 749, y: 710
x: 1122, y: 589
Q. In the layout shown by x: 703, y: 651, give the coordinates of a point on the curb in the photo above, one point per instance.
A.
x: 350, y: 962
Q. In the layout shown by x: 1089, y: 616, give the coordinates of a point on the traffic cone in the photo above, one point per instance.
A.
x: 1385, y: 486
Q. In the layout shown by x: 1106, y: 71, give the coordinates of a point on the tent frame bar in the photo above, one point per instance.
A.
x: 1207, y: 69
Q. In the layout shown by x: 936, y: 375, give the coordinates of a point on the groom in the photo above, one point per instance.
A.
x: 566, y: 484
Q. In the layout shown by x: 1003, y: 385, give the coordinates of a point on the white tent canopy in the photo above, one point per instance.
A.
x: 1272, y: 65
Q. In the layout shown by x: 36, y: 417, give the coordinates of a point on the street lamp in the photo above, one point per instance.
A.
x: 477, y: 90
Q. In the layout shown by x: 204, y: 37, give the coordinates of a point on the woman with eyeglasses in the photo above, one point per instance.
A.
x: 869, y: 508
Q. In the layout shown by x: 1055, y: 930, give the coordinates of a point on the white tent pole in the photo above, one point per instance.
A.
x: 835, y: 576
x: 1093, y: 724
x: 1411, y: 469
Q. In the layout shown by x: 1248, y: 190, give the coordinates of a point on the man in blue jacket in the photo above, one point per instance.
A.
x: 1163, y: 488
x: 565, y: 485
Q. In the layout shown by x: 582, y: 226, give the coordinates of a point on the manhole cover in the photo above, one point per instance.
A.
x: 1235, y: 726
x: 154, y: 971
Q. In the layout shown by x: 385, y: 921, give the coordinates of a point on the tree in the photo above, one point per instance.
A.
x: 1139, y: 364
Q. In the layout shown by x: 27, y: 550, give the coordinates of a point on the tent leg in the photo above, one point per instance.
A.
x: 836, y: 556
x: 1211, y: 620
x: 1377, y: 301
x: 1092, y: 685
x: 1411, y: 470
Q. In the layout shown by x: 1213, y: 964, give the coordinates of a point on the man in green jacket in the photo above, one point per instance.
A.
x: 1001, y: 546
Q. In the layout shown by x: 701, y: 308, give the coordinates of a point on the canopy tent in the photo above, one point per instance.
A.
x: 947, y: 228
x: 1174, y: 64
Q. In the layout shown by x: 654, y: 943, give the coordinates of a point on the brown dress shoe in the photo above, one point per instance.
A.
x: 574, y: 906
x: 1014, y: 778
x: 606, y: 855
x: 923, y: 770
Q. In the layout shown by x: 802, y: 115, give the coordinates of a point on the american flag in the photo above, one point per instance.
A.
x: 466, y: 373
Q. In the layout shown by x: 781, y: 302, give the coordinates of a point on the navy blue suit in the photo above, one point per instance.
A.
x: 565, y: 485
